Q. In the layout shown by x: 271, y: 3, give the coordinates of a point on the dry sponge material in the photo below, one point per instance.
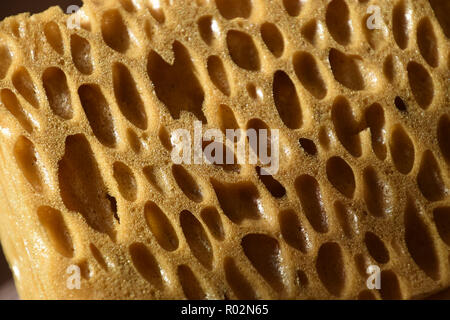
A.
x: 87, y: 181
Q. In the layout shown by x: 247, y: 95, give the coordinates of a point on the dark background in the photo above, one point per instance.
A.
x: 12, y: 7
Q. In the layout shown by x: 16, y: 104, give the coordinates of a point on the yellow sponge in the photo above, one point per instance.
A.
x: 94, y: 207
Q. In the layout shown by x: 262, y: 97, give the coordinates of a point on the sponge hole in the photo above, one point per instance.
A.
x: 421, y: 84
x: 286, y: 100
x: 346, y: 70
x: 442, y: 221
x: 429, y: 178
x: 177, y: 85
x: 58, y: 93
x: 272, y: 185
x: 212, y: 220
x: 160, y: 226
x: 24, y: 85
x: 82, y: 187
x: 239, y: 201
x: 401, y: 24
x: 390, y: 286
x: 207, y: 26
x: 376, y: 248
x: 419, y: 242
x: 98, y: 112
x: 339, y: 22
x: 54, y: 37
x: 265, y: 255
x: 231, y: 9
x: 189, y: 283
x: 308, y: 191
x: 114, y: 31
x: 127, y: 96
x: 218, y: 75
x: 81, y: 54
x: 443, y: 135
x: 5, y: 60
x: 155, y: 9
x: 293, y: 232
x: 56, y: 230
x: 243, y: 51
x: 376, y: 193
x: 197, y: 239
x: 308, y: 146
x: 341, y: 176
x: 427, y: 42
x: 308, y: 73
x: 27, y: 160
x: 292, y: 7
x: 332, y: 275
x: 241, y: 287
x: 346, y: 218
x: 375, y: 121
x: 146, y: 264
x: 442, y: 12
x: 273, y: 38
x: 402, y: 150
x: 346, y: 126
x: 13, y: 105
x: 227, y: 120
x: 187, y: 183
x: 125, y: 180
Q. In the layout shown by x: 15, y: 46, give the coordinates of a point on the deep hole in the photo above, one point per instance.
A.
x: 286, y: 100
x: 231, y: 9
x: 265, y: 255
x: 376, y: 248
x: 273, y: 38
x: 308, y: 191
x: 218, y: 74
x: 346, y: 126
x: 308, y: 73
x: 81, y: 54
x: 146, y: 264
x: 275, y: 188
x: 197, y: 239
x: 421, y: 84
x: 400, y: 25
x: 239, y: 201
x: 241, y: 287
x: 442, y: 12
x: 429, y: 178
x: 400, y: 104
x: 243, y: 51
x: 346, y: 70
x: 12, y: 104
x: 160, y: 226
x: 113, y: 203
x: 293, y: 232
x: 187, y: 183
x: 420, y: 242
x: 308, y: 146
x: 402, y: 150
x: 54, y: 38
x: 191, y: 287
x: 177, y: 85
x: 338, y: 21
x: 330, y: 267
x: 341, y: 176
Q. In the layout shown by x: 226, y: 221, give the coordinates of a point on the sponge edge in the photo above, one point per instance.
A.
x: 94, y: 208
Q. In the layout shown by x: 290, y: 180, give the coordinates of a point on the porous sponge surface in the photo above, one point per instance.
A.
x: 87, y: 179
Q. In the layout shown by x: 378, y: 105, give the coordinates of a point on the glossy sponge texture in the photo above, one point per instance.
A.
x: 87, y: 181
